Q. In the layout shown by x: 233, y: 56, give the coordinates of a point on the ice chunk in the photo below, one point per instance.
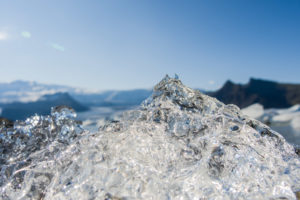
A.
x: 254, y: 111
x: 180, y: 144
x: 63, y: 112
x: 37, y: 141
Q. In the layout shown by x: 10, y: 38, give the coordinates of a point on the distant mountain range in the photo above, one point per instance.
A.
x: 20, y: 99
x: 114, y: 98
x: 21, y: 110
x: 270, y: 94
x: 27, y: 91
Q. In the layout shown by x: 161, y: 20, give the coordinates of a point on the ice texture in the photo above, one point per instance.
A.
x: 29, y: 147
x: 179, y: 144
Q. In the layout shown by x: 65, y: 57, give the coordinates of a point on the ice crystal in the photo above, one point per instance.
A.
x: 180, y: 144
x: 31, y: 144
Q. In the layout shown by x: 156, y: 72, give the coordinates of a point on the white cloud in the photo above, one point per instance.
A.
x: 26, y: 34
x: 57, y: 47
x: 3, y: 35
x: 211, y: 82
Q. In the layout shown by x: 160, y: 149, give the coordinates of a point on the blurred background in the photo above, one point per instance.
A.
x: 104, y: 57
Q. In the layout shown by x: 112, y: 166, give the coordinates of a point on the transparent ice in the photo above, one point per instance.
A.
x: 180, y: 144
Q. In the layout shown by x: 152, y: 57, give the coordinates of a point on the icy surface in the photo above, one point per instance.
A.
x: 180, y: 144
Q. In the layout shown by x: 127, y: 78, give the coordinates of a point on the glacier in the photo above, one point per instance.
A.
x: 179, y: 144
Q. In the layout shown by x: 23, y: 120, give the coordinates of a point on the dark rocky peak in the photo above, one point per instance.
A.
x: 257, y: 83
x: 228, y: 83
x: 268, y: 93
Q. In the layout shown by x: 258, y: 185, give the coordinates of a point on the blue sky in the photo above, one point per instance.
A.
x: 133, y: 43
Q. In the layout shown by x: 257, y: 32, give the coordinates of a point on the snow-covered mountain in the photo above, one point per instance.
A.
x: 27, y: 91
x: 21, y: 99
x: 22, y: 110
x: 30, y: 91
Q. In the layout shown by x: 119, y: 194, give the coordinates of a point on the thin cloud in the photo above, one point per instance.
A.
x: 26, y: 34
x: 3, y: 35
x: 211, y: 82
x: 57, y: 47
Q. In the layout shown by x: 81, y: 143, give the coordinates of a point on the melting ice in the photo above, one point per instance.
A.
x: 179, y: 144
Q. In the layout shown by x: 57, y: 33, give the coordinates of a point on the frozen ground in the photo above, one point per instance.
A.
x: 179, y: 144
x: 284, y: 121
